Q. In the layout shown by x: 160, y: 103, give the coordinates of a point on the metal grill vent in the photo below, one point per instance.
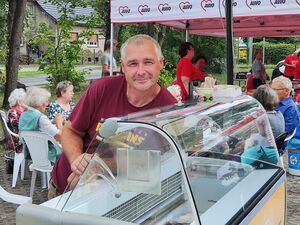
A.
x: 139, y: 205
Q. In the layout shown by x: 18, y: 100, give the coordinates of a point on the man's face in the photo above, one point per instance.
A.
x: 141, y: 66
x: 201, y: 64
x: 280, y: 90
x: 259, y: 55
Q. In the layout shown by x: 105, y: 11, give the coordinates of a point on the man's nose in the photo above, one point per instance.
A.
x: 141, y: 69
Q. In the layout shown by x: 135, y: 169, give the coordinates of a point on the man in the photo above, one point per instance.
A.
x: 141, y: 60
x: 258, y: 70
x: 290, y: 62
x: 105, y: 59
x: 186, y: 71
x: 289, y: 110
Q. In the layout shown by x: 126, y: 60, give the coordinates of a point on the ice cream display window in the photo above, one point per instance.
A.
x: 209, y: 163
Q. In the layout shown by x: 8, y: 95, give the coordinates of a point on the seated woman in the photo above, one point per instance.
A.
x: 269, y: 100
x: 17, y: 107
x: 33, y: 118
x: 63, y: 104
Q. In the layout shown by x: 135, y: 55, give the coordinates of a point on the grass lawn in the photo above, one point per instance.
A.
x: 30, y: 73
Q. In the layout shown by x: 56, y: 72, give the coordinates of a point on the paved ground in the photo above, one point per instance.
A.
x: 7, y: 211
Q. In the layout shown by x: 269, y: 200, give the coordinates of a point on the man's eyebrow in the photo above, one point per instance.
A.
x: 131, y: 61
x: 149, y: 59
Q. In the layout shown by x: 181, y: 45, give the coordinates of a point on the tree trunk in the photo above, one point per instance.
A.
x: 117, y: 27
x: 15, y: 28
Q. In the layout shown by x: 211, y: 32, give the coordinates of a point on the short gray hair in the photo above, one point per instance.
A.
x: 17, y: 95
x: 139, y: 40
x: 36, y: 96
x: 62, y: 87
x: 284, y: 82
x: 266, y: 96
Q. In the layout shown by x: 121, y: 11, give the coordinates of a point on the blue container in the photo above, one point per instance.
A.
x: 294, y: 161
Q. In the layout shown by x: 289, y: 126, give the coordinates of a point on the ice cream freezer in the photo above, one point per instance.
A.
x: 209, y: 163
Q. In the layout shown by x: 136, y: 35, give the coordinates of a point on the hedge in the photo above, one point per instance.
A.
x: 275, y: 52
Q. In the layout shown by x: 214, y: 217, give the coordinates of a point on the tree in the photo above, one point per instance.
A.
x: 15, y: 18
x: 103, y: 9
x: 61, y: 55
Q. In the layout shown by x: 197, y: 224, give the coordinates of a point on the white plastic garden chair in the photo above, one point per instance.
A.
x: 38, y: 146
x: 12, y: 198
x: 19, y: 159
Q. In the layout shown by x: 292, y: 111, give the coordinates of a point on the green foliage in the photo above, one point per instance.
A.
x: 3, y: 30
x: 61, y: 56
x: 275, y: 52
x: 2, y: 81
x: 167, y: 75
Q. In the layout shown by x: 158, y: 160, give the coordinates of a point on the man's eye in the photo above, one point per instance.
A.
x: 132, y: 64
x: 148, y: 62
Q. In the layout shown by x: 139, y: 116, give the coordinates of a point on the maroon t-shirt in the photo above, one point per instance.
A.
x: 105, y: 98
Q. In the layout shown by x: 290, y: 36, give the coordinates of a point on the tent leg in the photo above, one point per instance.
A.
x: 111, y: 48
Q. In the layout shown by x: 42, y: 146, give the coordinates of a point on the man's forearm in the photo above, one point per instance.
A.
x: 71, y: 142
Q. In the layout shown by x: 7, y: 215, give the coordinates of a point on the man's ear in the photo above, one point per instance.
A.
x: 162, y: 63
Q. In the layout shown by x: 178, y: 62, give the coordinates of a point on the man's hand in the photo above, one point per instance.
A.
x: 80, y: 162
x: 77, y: 167
x: 72, y: 180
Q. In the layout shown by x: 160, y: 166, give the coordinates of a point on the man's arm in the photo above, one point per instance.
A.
x: 105, y: 68
x: 289, y: 62
x: 72, y: 144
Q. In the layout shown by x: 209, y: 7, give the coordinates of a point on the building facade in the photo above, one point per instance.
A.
x: 40, y: 11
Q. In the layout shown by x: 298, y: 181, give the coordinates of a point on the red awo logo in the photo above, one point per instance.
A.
x: 124, y: 10
x: 277, y: 2
x: 143, y: 9
x: 163, y: 8
x: 207, y: 4
x: 184, y: 6
x: 251, y: 3
x: 234, y: 3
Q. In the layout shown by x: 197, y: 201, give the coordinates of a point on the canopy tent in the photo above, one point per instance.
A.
x: 251, y: 18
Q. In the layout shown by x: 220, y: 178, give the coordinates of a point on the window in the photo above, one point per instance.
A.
x: 93, y: 41
x: 73, y: 36
x: 30, y: 9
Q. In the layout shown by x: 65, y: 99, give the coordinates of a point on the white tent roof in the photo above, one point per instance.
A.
x: 251, y: 18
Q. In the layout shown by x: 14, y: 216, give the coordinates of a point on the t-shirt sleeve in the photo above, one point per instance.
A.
x: 46, y: 126
x: 84, y: 112
x: 256, y: 66
x: 104, y: 59
x: 291, y: 119
x: 187, y: 69
x: 52, y: 110
x: 288, y: 59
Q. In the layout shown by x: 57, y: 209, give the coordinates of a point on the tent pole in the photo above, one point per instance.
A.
x: 186, y: 35
x: 229, y: 35
x: 264, y: 43
x: 111, y: 49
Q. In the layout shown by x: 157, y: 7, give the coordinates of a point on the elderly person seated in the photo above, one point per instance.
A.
x: 269, y: 100
x: 283, y: 87
x: 33, y: 118
x: 17, y: 107
x: 63, y: 104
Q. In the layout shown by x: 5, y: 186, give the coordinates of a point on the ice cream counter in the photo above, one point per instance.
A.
x: 208, y: 163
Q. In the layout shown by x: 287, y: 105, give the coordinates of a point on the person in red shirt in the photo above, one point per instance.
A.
x: 201, y: 64
x: 290, y: 64
x: 186, y: 71
x: 297, y: 69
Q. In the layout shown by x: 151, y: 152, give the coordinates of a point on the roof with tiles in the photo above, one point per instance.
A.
x: 54, y: 13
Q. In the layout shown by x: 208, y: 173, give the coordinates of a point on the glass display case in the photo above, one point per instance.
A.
x: 209, y: 163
